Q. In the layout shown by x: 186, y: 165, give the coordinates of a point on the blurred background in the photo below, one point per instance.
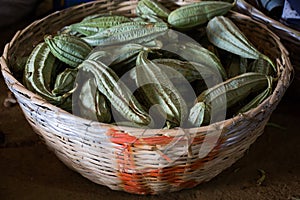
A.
x: 284, y: 11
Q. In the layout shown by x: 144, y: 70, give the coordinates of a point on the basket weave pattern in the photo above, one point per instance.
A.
x: 129, y: 159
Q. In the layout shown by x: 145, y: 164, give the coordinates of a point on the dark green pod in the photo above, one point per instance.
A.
x: 65, y: 82
x: 230, y: 92
x: 262, y: 66
x: 38, y: 72
x: 259, y: 98
x: 117, y: 93
x: 69, y: 49
x: 159, y: 89
x: 194, y: 52
x: 92, y: 104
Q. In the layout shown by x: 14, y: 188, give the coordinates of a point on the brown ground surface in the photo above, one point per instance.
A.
x: 28, y: 170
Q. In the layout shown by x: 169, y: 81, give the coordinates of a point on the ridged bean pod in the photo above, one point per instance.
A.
x: 95, y: 24
x: 160, y: 90
x: 194, y: 52
x: 196, y: 114
x: 69, y: 49
x: 65, y: 82
x: 117, y: 93
x: 261, y: 66
x: 195, y: 14
x: 120, y: 58
x: 223, y: 33
x: 127, y: 26
x: 39, y: 70
x: 234, y: 90
x: 92, y: 104
x: 140, y: 32
x: 259, y: 98
x: 152, y: 7
x: 190, y: 70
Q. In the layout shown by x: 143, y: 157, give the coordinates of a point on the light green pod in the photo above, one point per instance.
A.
x: 69, y: 49
x: 196, y: 114
x: 190, y: 70
x: 86, y: 29
x: 152, y: 7
x: 223, y: 33
x: 120, y: 58
x: 127, y: 26
x: 195, y: 14
x: 97, y: 23
x: 150, y: 18
x: 139, y: 34
x: 141, y: 9
x: 107, y: 20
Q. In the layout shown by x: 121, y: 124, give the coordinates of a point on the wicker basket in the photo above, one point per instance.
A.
x: 131, y: 159
x: 289, y: 37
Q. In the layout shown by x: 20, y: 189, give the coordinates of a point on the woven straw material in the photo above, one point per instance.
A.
x: 130, y: 159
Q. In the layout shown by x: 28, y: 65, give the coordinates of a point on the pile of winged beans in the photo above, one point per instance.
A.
x: 83, y: 67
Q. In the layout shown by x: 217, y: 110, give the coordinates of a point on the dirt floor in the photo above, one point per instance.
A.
x: 28, y: 170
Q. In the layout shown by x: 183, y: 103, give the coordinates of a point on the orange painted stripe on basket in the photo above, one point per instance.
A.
x: 119, y: 137
x: 131, y: 182
x: 125, y: 138
x: 170, y: 174
x: 175, y: 175
x: 125, y: 157
x: 134, y: 181
x: 182, y: 168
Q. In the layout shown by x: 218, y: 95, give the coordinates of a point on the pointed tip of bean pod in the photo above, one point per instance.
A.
x: 48, y: 36
x: 270, y: 61
x: 233, y: 3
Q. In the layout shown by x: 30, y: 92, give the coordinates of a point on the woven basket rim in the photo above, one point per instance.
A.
x: 287, y: 32
x: 16, y: 85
